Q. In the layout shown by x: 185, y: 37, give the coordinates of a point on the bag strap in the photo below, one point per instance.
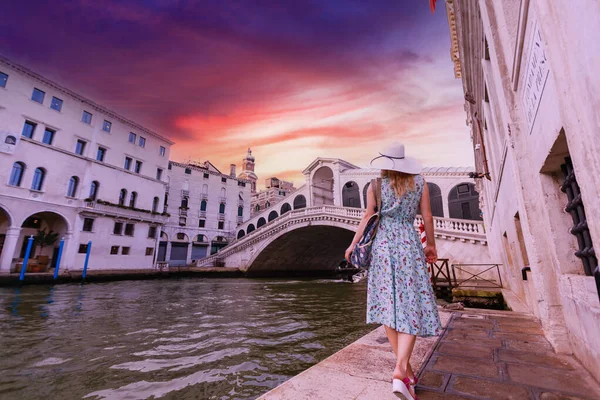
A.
x: 376, y: 185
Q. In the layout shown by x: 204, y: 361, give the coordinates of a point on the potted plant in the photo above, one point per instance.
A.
x: 44, y: 239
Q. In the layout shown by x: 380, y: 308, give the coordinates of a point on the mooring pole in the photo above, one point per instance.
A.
x: 87, y: 258
x: 26, y: 259
x: 60, y: 250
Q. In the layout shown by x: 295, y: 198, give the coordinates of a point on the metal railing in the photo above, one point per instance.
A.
x: 483, y: 276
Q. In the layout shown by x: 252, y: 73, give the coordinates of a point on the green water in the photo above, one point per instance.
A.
x: 171, y: 339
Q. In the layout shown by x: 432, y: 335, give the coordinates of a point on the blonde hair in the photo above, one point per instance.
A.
x: 400, y: 181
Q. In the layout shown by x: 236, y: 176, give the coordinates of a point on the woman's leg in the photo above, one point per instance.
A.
x: 406, y: 343
x: 392, y: 336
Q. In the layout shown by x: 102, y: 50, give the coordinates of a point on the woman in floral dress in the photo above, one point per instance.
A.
x: 399, y: 294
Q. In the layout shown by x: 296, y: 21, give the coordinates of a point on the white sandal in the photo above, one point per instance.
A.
x: 400, y: 387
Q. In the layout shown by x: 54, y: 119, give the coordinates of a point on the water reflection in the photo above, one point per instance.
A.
x: 221, y: 339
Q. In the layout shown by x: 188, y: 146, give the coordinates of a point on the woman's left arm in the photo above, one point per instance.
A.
x: 371, y: 205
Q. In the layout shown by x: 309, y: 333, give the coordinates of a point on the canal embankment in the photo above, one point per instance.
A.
x: 482, y: 354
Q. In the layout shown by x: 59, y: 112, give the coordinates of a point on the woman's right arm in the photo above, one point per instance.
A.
x: 430, y: 250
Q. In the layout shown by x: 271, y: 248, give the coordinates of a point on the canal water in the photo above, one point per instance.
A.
x: 171, y: 339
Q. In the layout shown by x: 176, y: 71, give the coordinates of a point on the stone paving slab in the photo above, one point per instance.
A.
x: 482, y: 354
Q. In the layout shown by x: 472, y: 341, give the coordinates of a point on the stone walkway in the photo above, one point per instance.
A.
x: 482, y: 354
x: 501, y: 355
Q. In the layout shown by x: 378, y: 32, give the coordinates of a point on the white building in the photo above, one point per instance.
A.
x: 275, y: 191
x: 532, y: 95
x: 74, y: 167
x: 205, y: 207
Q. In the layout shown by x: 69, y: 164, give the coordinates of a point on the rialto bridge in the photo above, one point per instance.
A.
x: 311, y: 229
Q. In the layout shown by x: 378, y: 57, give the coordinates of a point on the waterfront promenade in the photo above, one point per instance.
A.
x: 482, y: 354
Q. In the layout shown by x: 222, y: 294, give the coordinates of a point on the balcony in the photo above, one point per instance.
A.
x: 204, y: 196
x: 183, y: 212
x: 114, y: 210
x: 221, y: 217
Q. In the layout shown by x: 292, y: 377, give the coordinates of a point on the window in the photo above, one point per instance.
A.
x: 114, y: 250
x: 10, y: 140
x: 100, y: 154
x: 149, y: 251
x: 38, y: 179
x: 56, y: 104
x: 240, y: 211
x: 125, y: 250
x: 158, y: 174
x: 128, y: 162
x: 184, y: 203
x: 38, y: 95
x: 132, y: 199
x: 86, y: 118
x: 118, y: 229
x: 95, y: 186
x: 182, y: 221
x: 48, y: 136
x: 166, y: 202
x: 80, y: 147
x: 221, y: 224
x: 181, y: 236
x: 267, y: 204
x: 152, y: 232
x: 203, y: 205
x: 72, y: 188
x: 3, y: 79
x: 463, y: 189
x: 28, y: 129
x: 132, y: 137
x: 221, y: 208
x: 162, y: 151
x: 83, y: 248
x: 122, y: 197
x: 257, y: 208
x: 16, y: 175
x: 170, y: 166
x: 155, y: 204
x: 138, y: 167
x: 129, y: 228
x: 188, y: 171
x: 224, y: 180
x: 243, y: 184
x: 142, y: 142
x: 88, y: 224
x: 205, y: 176
x: 106, y: 126
x: 486, y: 55
x: 202, y: 223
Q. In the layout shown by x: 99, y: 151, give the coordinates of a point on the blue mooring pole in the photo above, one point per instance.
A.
x: 60, y: 249
x: 26, y: 259
x: 87, y: 258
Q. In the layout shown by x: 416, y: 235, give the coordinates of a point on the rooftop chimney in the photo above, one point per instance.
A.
x: 232, y: 170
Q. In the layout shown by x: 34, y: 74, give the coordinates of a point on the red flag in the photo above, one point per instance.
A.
x: 432, y: 5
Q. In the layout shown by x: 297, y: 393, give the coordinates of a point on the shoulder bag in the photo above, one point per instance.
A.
x: 361, y: 254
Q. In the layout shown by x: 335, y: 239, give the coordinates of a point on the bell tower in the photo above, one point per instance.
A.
x: 248, y: 170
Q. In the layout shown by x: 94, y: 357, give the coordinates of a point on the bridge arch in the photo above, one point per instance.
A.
x: 299, y: 202
x: 285, y: 208
x: 261, y: 222
x: 322, y: 186
x: 311, y: 247
x: 463, y: 202
x: 365, y: 190
x: 272, y: 215
x: 250, y: 228
x: 435, y: 198
x: 351, y: 195
x: 241, y: 234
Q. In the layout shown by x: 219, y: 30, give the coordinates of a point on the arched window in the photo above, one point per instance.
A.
x: 240, y: 211
x: 273, y: 215
x: 261, y: 222
x: 132, y: 199
x: 250, y: 228
x: 10, y: 140
x: 155, y: 204
x: 241, y: 234
x: 257, y: 208
x: 94, y: 188
x: 203, y: 205
x: 299, y: 202
x: 72, y: 189
x: 267, y: 204
x: 221, y: 208
x: 122, y: 197
x: 285, y: 208
x: 16, y: 174
x: 38, y: 179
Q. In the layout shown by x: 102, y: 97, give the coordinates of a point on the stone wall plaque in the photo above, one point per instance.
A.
x: 535, y: 77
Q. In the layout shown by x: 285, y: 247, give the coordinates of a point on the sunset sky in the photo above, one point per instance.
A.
x: 293, y: 80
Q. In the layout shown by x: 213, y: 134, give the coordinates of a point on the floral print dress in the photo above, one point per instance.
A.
x: 399, y: 292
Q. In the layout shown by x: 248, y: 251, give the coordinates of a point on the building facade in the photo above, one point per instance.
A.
x: 275, y: 191
x: 73, y: 167
x: 532, y: 95
x: 205, y: 207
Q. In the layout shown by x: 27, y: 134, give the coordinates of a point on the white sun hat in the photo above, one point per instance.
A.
x: 392, y: 158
